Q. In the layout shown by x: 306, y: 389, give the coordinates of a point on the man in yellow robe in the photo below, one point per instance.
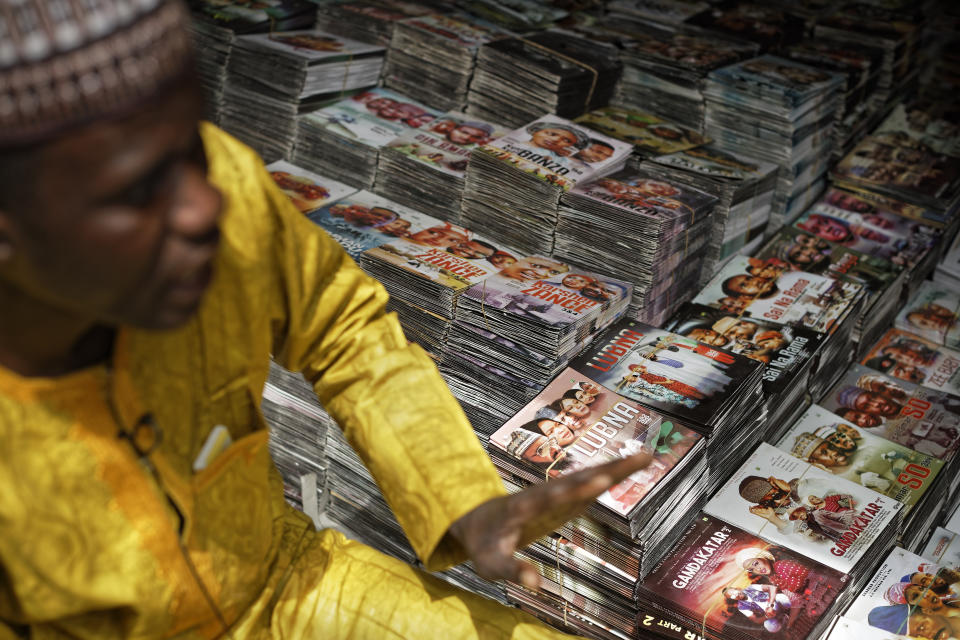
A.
x: 148, y: 267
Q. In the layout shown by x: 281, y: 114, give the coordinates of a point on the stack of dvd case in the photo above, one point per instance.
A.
x: 715, y: 392
x: 724, y: 582
x: 649, y: 135
x: 771, y: 26
x: 432, y: 58
x: 426, y: 273
x: 909, y: 357
x: 932, y: 313
x: 882, y: 280
x: 343, y: 140
x: 654, y: 233
x: 789, y: 353
x: 522, y: 326
x: 644, y: 512
x: 781, y: 111
x: 917, y: 480
x: 215, y: 27
x: 307, y: 190
x: 517, y: 15
x: 665, y: 69
x: 767, y: 290
x: 371, y: 21
x: 744, y: 188
x: 792, y: 503
x: 271, y: 78
x: 513, y: 184
x: 298, y: 434
x: 426, y: 168
x: 519, y: 79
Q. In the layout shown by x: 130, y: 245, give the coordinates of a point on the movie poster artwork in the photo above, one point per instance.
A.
x: 789, y: 502
x: 909, y: 357
x: 665, y: 370
x: 785, y: 349
x: 874, y: 228
x: 711, y: 161
x: 365, y: 220
x: 649, y: 134
x: 914, y: 416
x: 769, y: 290
x: 559, y: 151
x: 739, y: 585
x: 909, y: 596
x: 845, y: 450
x: 934, y: 124
x: 445, y: 143
x: 574, y: 423
x: 307, y: 190
x: 374, y: 117
x: 312, y: 45
x: 467, y: 34
x: 803, y: 251
x: 932, y: 313
x: 550, y: 292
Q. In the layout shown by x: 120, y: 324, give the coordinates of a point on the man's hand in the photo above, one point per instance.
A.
x: 494, y: 530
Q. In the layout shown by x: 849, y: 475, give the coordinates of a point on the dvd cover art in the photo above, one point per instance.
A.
x: 909, y: 596
x: 909, y: 357
x: 916, y: 417
x: 934, y: 124
x: 246, y: 17
x: 365, y: 220
x: 737, y: 585
x: 770, y: 26
x: 767, y: 290
x: 574, y: 423
x: 447, y: 254
x: 647, y: 133
x: 897, y: 162
x: 802, y: 251
x: 711, y: 161
x: 794, y: 81
x: 665, y: 370
x: 307, y: 190
x: 639, y: 192
x: 698, y: 52
x: 820, y: 438
x: 549, y: 292
x: 374, y: 117
x: 445, y: 143
x: 932, y: 313
x: 312, y: 45
x: 853, y: 222
x: 468, y: 34
x: 669, y: 11
x: 559, y: 152
x: 785, y: 349
x: 861, y: 200
x: 792, y: 503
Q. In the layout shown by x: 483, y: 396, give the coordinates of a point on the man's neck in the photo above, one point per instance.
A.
x: 37, y: 340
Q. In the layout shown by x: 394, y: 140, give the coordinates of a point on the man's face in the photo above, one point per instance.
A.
x: 828, y: 456
x: 929, y: 626
x: 125, y: 228
x: 743, y: 329
x: 861, y: 418
x: 826, y: 228
x: 596, y: 153
x: 708, y: 336
x: 556, y: 140
x: 464, y: 135
x: 749, y: 285
x: 842, y: 441
x: 903, y: 355
x: 575, y: 281
x: 871, y: 402
x: 470, y: 250
x: 533, y: 269
x: 438, y: 237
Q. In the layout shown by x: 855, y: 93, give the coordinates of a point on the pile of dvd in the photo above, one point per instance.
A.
x: 911, y: 358
x: 370, y: 21
x: 343, y: 140
x: 767, y: 289
x: 723, y: 582
x: 519, y: 79
x: 715, y: 392
x: 513, y: 184
x: 780, y: 111
x: 649, y: 135
x: 743, y: 187
x: 573, y: 424
x: 298, y: 435
x: 271, y: 78
x: 432, y: 58
x: 654, y: 233
x: 664, y: 70
x: 525, y: 323
x: 425, y: 168
x: 917, y: 480
x: 215, y: 27
x: 769, y: 25
x: 789, y: 353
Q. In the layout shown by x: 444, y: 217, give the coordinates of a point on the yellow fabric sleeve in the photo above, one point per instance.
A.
x: 329, y: 322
